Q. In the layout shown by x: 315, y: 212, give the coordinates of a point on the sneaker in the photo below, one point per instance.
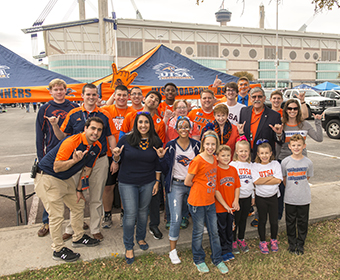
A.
x: 255, y: 223
x: 65, y: 254
x: 202, y: 267
x: 228, y: 257
x: 243, y: 245
x: 263, y: 247
x: 167, y: 225
x: 251, y: 212
x: 184, y: 223
x: 86, y: 241
x: 222, y: 267
x: 205, y: 230
x: 174, y: 257
x: 292, y: 250
x: 107, y: 221
x: 300, y: 250
x: 44, y: 230
x: 273, y: 245
x: 235, y: 248
x: 156, y: 232
x: 121, y: 218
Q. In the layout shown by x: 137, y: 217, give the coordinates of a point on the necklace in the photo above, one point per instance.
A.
x: 144, y: 144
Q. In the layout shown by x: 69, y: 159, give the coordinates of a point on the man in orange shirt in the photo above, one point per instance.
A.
x: 205, y: 114
x: 118, y: 112
x: 151, y: 102
x: 260, y: 122
x: 136, y: 96
x: 165, y: 108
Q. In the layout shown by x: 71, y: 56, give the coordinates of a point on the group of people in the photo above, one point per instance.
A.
x: 214, y: 162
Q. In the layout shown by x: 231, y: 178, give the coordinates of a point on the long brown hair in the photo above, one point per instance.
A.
x: 285, y: 117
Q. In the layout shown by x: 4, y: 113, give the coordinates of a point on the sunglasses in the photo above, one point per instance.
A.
x: 143, y: 112
x: 292, y: 108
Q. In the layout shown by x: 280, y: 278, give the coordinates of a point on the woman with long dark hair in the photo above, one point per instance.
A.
x: 138, y: 179
x: 293, y: 123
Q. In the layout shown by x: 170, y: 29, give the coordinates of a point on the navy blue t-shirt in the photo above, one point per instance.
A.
x: 137, y: 166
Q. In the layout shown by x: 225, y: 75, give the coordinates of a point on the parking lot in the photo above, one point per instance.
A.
x: 17, y: 153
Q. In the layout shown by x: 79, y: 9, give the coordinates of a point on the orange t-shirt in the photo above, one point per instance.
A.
x: 200, y: 117
x: 202, y: 192
x: 127, y: 125
x: 118, y: 116
x: 162, y: 108
x: 280, y: 112
x: 254, y: 124
x: 227, y: 182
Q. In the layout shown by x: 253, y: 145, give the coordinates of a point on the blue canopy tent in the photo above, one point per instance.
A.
x: 325, y: 86
x: 303, y: 86
x: 22, y: 81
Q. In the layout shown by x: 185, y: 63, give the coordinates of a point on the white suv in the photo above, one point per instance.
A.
x: 316, y: 104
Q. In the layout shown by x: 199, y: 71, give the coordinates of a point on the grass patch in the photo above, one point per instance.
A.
x: 320, y: 261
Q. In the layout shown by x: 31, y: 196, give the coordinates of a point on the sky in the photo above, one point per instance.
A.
x: 292, y: 14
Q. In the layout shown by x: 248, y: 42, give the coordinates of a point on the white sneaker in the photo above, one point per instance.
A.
x: 205, y: 230
x: 173, y: 257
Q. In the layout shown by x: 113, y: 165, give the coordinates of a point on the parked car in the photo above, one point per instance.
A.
x: 331, y: 122
x: 316, y: 104
x: 333, y: 94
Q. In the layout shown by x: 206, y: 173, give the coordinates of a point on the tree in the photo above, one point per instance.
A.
x: 244, y: 74
x: 319, y: 5
x: 325, y: 4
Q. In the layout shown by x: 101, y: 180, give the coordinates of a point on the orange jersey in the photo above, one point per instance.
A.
x: 129, y: 120
x: 200, y: 117
x: 162, y: 108
x: 202, y: 192
x: 117, y: 116
x: 227, y: 182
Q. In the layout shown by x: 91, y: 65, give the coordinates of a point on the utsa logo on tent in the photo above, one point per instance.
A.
x: 169, y: 71
x: 3, y: 73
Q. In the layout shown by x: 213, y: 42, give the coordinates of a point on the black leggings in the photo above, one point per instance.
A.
x: 241, y: 217
x: 264, y: 206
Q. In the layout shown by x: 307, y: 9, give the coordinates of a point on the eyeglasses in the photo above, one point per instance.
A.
x: 292, y: 108
x: 257, y: 96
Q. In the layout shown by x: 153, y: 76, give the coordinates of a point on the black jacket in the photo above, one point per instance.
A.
x: 264, y: 131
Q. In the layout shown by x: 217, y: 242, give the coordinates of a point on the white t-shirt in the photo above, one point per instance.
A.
x: 234, y: 112
x: 246, y: 179
x: 265, y: 170
x: 181, y: 162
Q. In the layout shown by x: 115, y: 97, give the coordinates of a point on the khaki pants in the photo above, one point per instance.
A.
x: 97, y: 182
x: 53, y: 193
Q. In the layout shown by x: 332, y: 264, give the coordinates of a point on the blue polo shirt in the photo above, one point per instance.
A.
x: 64, y: 151
x: 76, y: 118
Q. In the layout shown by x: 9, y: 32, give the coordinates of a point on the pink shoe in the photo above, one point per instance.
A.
x: 273, y: 245
x: 263, y: 247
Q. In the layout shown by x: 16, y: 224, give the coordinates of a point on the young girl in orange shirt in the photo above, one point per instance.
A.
x: 202, y: 180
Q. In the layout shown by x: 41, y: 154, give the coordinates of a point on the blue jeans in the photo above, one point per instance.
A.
x: 199, y: 214
x: 136, y: 200
x: 45, y: 217
x: 175, y: 201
